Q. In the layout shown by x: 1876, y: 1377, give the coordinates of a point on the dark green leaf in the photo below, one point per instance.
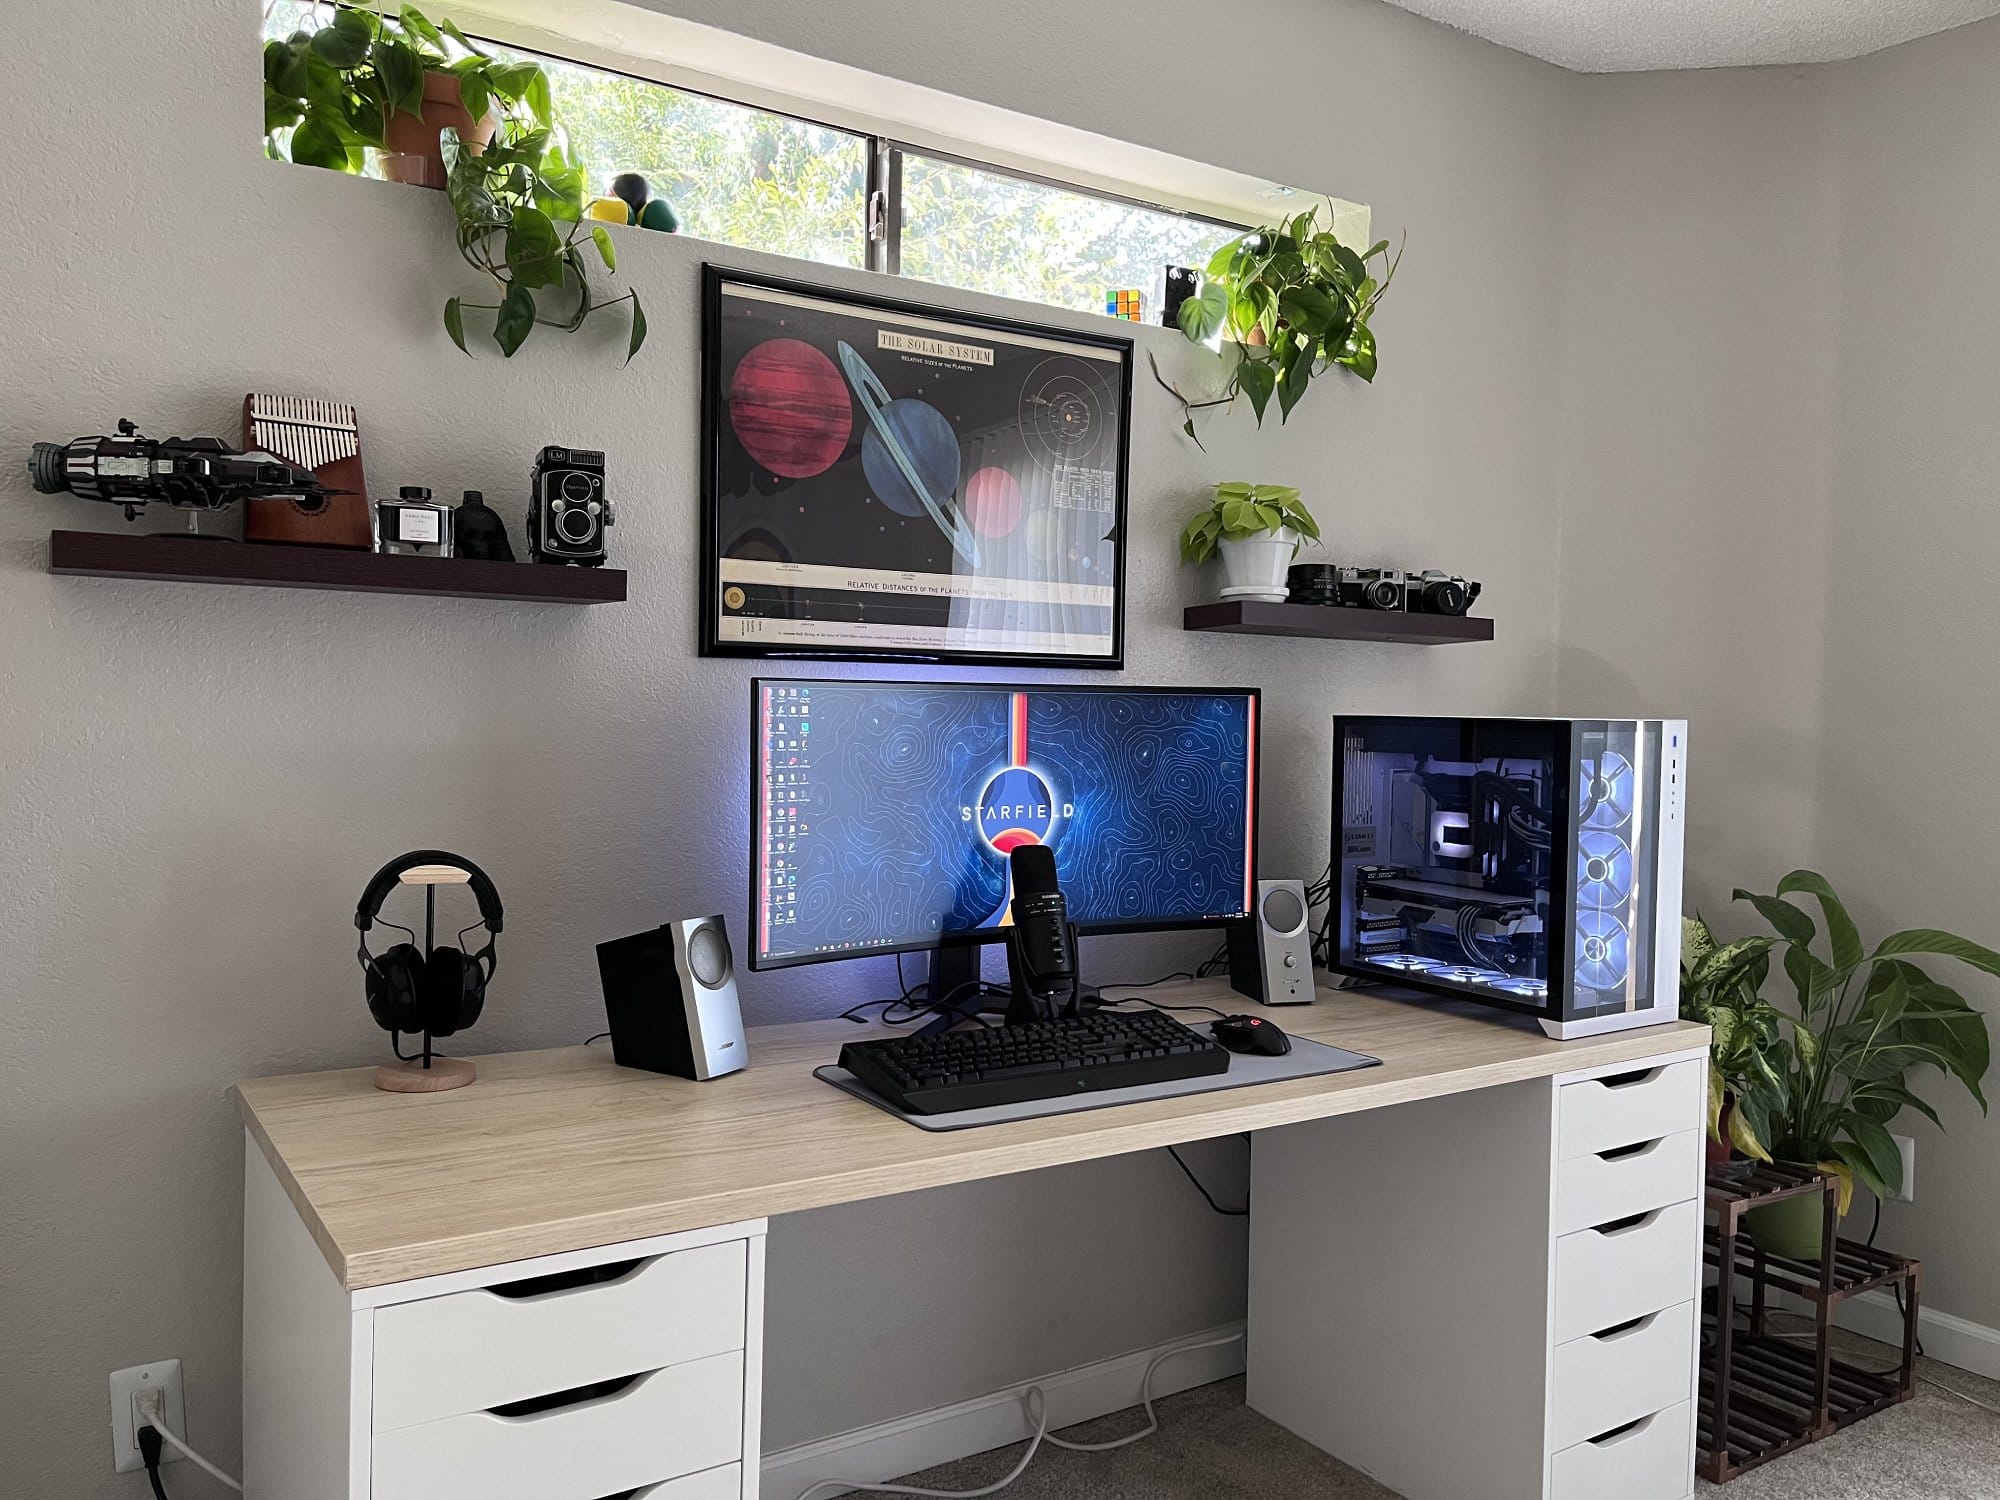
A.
x: 402, y: 74
x: 345, y: 42
x: 462, y: 39
x: 511, y: 80
x: 454, y: 324
x: 515, y: 320
x: 276, y: 55
x: 1358, y: 353
x: 1791, y: 924
x: 534, y: 249
x: 1842, y: 935
x: 1884, y: 1159
x: 317, y: 144
x: 1256, y: 377
x: 638, y: 328
x: 1380, y: 247
x: 292, y: 71
x: 280, y: 112
x: 1857, y: 1159
x: 1930, y: 940
x: 417, y: 24
x: 1351, y: 264
x: 1307, y: 309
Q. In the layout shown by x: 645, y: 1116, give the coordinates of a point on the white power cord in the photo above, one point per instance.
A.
x: 1037, y: 1407
x: 152, y: 1406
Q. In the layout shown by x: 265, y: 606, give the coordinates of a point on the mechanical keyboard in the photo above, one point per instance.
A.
x: 1105, y: 1049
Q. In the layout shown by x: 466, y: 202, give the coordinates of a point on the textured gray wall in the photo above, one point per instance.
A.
x: 198, y: 780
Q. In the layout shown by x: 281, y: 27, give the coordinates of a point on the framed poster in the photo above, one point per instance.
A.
x: 881, y: 480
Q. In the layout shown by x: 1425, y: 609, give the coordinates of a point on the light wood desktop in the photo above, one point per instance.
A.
x: 1392, y: 1204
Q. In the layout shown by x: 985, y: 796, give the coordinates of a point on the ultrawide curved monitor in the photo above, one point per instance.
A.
x: 882, y: 813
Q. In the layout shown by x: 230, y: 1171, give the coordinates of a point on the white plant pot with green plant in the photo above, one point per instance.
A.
x: 1257, y: 529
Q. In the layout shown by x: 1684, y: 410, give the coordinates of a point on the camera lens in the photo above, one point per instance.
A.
x: 46, y: 469
x: 1382, y: 594
x: 1446, y: 597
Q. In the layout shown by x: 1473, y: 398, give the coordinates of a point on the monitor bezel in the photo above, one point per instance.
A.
x: 982, y: 937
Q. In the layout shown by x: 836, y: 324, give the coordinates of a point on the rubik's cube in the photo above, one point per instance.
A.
x: 1129, y: 305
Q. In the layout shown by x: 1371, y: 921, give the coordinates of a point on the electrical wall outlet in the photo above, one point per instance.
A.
x: 126, y: 1385
x: 1908, y: 1147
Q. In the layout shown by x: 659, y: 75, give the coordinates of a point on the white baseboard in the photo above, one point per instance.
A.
x: 870, y: 1455
x: 1956, y: 1341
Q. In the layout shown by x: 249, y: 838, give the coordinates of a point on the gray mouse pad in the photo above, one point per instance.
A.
x: 1307, y: 1059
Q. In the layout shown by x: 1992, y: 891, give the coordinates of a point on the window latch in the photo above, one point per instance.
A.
x: 878, y: 216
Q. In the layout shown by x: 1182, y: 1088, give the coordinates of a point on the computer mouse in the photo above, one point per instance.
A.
x: 1250, y: 1034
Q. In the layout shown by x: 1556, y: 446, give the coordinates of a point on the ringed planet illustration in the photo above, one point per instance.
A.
x: 909, y: 454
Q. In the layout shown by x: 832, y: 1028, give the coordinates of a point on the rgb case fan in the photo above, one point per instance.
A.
x: 1533, y: 864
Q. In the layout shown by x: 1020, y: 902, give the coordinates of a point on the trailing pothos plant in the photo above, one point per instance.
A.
x: 335, y: 88
x: 1241, y: 510
x: 1861, y: 1022
x: 1289, y: 302
x: 518, y: 206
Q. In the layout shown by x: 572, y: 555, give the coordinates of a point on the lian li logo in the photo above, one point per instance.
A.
x: 914, y: 343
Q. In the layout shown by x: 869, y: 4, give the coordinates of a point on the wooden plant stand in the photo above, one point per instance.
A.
x: 1763, y: 1395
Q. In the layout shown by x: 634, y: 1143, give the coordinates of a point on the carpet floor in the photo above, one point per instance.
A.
x: 1211, y: 1446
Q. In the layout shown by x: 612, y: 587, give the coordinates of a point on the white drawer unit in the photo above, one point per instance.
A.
x: 632, y: 1368
x: 1652, y: 1459
x: 1604, y: 1380
x: 1600, y: 1186
x: 1624, y: 1109
x: 1626, y: 1269
x: 473, y: 1350
x: 676, y: 1421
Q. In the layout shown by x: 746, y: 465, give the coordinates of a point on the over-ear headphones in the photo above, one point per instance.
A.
x: 406, y: 991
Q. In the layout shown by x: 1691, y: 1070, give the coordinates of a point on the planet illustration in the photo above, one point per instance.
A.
x: 909, y: 455
x: 790, y: 408
x: 993, y: 501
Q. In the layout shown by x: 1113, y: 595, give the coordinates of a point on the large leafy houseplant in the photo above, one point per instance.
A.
x: 518, y: 207
x: 1862, y: 1022
x: 1289, y: 302
x: 1747, y: 1056
x: 337, y: 89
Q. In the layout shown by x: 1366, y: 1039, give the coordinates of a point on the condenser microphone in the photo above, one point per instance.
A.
x: 1041, y: 920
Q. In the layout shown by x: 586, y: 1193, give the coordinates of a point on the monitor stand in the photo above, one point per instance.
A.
x: 954, y: 973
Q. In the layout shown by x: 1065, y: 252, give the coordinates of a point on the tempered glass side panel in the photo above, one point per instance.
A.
x: 1452, y: 846
x: 1616, y: 788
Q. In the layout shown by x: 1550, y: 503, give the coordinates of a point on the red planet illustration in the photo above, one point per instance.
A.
x: 993, y: 501
x: 790, y: 408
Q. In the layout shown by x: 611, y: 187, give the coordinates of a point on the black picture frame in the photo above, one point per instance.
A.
x: 717, y: 436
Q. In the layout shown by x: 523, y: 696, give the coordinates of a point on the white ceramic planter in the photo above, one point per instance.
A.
x: 1253, y: 567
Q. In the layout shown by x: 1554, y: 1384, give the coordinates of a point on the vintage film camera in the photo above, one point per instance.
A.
x: 568, y: 510
x: 1430, y: 592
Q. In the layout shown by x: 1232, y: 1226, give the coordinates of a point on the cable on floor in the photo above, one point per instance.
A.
x: 1035, y: 1403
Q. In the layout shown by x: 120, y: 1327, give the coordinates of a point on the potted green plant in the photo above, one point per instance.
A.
x: 1289, y: 302
x: 1746, y: 1057
x: 1258, y: 529
x: 518, y: 208
x: 1861, y: 1021
x: 365, y: 82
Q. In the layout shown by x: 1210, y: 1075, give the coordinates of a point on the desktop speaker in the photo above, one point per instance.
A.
x: 1270, y: 953
x: 670, y: 998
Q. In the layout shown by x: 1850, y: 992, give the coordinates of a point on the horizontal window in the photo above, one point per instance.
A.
x: 776, y: 182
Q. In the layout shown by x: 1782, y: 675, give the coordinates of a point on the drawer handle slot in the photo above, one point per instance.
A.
x: 1623, y: 1434
x: 1626, y: 1153
x: 540, y: 1406
x: 1630, y: 1080
x: 1617, y: 1227
x: 1618, y: 1331
x: 557, y: 1282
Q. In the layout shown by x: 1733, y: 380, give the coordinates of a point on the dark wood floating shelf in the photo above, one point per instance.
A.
x: 189, y: 559
x: 1331, y: 622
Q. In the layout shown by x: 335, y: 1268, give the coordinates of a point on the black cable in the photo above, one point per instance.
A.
x: 598, y: 1038
x: 1209, y: 1198
x: 151, y: 1447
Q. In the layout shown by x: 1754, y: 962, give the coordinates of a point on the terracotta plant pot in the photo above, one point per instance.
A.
x: 415, y: 154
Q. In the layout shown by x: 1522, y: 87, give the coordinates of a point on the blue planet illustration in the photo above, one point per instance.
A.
x: 909, y: 454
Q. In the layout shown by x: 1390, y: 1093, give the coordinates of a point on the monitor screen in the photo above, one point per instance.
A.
x: 882, y: 813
